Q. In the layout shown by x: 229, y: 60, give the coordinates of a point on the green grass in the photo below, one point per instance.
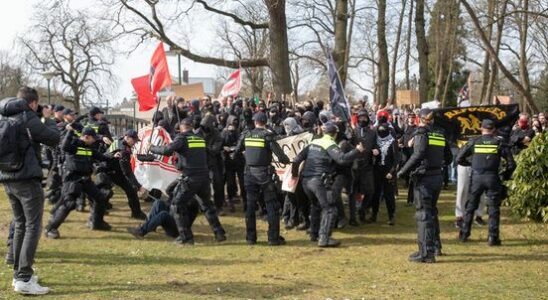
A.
x: 371, y: 264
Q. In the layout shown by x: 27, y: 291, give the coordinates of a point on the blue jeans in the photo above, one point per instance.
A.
x: 159, y: 216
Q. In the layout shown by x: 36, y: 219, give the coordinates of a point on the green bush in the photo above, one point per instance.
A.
x: 528, y: 188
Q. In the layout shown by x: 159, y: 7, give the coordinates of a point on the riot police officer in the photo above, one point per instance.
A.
x: 77, y: 170
x: 485, y: 152
x: 192, y: 161
x: 259, y: 144
x: 321, y: 156
x: 430, y: 151
x: 121, y: 174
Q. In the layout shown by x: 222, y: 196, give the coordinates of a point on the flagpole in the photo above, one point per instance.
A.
x: 153, y: 123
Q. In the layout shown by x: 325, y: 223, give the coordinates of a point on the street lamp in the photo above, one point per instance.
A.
x: 134, y: 99
x: 176, y: 52
x: 49, y: 76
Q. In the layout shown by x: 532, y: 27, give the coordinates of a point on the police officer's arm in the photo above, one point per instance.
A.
x: 342, y: 158
x: 276, y: 149
x: 465, y: 152
x: 70, y: 144
x: 298, y: 160
x: 419, y: 152
x: 240, y: 146
x: 179, y: 144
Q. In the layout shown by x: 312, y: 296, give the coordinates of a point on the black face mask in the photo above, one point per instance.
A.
x: 383, y: 133
x: 196, y: 123
x: 363, y: 123
x: 383, y: 120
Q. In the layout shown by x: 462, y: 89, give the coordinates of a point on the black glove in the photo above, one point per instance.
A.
x: 145, y: 157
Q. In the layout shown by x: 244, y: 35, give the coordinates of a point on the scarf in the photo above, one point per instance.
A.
x: 384, y: 144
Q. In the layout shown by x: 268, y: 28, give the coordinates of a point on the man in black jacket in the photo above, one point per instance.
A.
x: 24, y: 189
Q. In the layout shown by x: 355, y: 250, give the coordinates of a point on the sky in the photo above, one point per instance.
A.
x: 14, y: 20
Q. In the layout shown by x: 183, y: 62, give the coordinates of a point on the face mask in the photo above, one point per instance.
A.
x: 383, y: 119
x: 383, y: 133
x: 364, y: 123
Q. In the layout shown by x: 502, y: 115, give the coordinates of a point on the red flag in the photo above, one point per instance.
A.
x: 146, y: 99
x: 233, y: 85
x: 159, y: 71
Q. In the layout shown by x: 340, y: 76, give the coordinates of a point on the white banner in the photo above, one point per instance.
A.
x: 160, y: 173
x: 291, y: 146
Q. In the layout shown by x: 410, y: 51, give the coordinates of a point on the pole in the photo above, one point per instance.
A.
x: 49, y: 92
x: 154, y: 123
x: 179, y: 63
x: 134, y: 115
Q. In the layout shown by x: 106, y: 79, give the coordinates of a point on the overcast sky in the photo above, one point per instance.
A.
x: 14, y: 20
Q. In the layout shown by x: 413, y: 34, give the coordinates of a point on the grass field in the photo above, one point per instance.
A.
x: 371, y: 264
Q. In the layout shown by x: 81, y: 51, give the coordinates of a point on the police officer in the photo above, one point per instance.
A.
x: 259, y: 144
x: 78, y: 167
x: 485, y: 152
x: 121, y: 174
x: 430, y: 151
x: 192, y: 161
x: 320, y: 157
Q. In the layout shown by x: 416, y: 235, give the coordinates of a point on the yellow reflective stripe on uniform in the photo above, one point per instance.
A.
x: 435, y: 139
x: 95, y: 128
x: 83, y: 151
x: 325, y: 142
x: 114, y: 146
x: 486, y: 149
x: 254, y: 142
x: 196, y: 144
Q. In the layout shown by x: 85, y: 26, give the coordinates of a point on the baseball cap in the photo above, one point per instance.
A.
x: 132, y: 133
x: 59, y: 108
x: 330, y: 127
x: 95, y: 110
x: 89, y: 131
x: 260, y: 117
x: 68, y: 111
x: 488, y: 124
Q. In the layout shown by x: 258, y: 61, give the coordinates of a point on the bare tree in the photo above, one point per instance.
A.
x: 13, y: 76
x: 422, y: 48
x: 70, y: 43
x: 522, y: 11
x: 152, y: 18
x: 396, y: 51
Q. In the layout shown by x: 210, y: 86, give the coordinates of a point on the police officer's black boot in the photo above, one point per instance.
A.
x: 315, y: 220
x: 493, y: 241
x: 182, y: 221
x: 494, y: 222
x: 464, y: 232
x: 215, y: 224
x: 57, y: 218
x: 96, y: 221
x: 329, y: 217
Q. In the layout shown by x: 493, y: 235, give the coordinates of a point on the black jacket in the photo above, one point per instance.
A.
x: 431, y: 152
x: 79, y: 157
x: 191, y: 154
x: 39, y: 134
x: 486, y: 151
x: 321, y: 157
x: 123, y: 165
x: 368, y: 138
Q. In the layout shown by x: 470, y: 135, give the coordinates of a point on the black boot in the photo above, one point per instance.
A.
x: 494, y: 241
x: 418, y: 258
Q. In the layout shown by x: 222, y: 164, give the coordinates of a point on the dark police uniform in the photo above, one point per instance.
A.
x: 321, y: 157
x: 192, y: 161
x: 78, y: 167
x: 259, y: 144
x: 485, y: 152
x: 121, y: 174
x: 430, y: 151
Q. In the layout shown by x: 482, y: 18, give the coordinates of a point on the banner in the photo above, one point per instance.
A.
x: 162, y: 171
x: 291, y: 146
x: 462, y: 123
x: 233, y: 85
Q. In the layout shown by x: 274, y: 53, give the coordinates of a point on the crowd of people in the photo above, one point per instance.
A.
x: 225, y: 150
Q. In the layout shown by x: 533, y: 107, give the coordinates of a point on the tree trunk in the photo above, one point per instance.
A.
x: 494, y: 70
x: 395, y: 56
x: 523, y: 71
x: 279, y: 51
x: 349, y: 38
x: 486, y: 43
x: 485, y: 68
x: 422, y: 48
x: 383, y: 78
x: 341, y: 23
x: 408, y: 47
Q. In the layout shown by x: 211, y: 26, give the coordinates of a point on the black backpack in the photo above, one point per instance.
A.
x: 12, y: 130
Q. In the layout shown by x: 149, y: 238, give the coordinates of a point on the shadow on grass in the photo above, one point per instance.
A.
x: 109, y: 259
x: 235, y: 289
x: 483, y: 257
